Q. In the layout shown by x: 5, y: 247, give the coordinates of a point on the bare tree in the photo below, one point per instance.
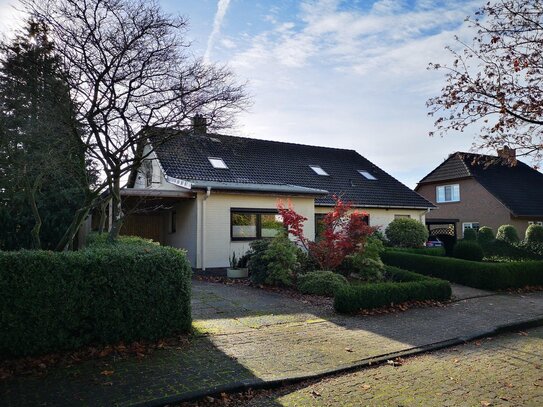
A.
x: 496, y: 81
x: 129, y: 68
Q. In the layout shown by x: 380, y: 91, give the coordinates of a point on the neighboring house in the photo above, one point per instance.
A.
x: 212, y: 194
x: 473, y: 190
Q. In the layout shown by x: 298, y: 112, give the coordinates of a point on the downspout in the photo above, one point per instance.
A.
x: 203, y: 234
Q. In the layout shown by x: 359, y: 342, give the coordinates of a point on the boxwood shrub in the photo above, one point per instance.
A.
x: 52, y: 301
x: 406, y: 287
x: 320, y: 282
x: 491, y: 276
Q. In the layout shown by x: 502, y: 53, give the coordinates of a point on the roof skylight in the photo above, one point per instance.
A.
x: 367, y: 175
x: 217, y: 163
x: 318, y: 169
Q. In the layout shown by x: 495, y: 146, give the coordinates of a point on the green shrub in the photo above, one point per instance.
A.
x: 485, y: 235
x: 534, y: 234
x: 273, y: 262
x: 100, y: 240
x: 491, y: 276
x: 51, y: 301
x: 320, y: 283
x: 406, y: 232
x: 468, y: 250
x: 258, y: 266
x: 362, y: 267
x: 501, y: 250
x: 407, y: 287
x: 470, y: 234
x: 507, y: 233
x: 428, y: 251
x: 282, y: 263
x: 373, y: 248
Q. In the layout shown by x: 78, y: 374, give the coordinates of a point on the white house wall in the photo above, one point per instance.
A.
x: 382, y: 217
x: 217, y: 241
x: 185, y: 236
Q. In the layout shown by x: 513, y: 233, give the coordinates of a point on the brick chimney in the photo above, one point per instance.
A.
x: 199, y: 124
x: 507, y: 153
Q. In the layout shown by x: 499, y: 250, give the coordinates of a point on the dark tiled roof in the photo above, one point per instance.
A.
x: 253, y: 161
x: 452, y: 168
x: 518, y: 187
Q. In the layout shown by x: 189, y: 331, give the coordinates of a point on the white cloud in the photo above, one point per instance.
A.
x: 222, y: 7
x: 355, y: 79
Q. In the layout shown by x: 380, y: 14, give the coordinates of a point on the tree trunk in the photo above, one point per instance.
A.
x: 103, y: 216
x: 80, y: 216
x: 117, y: 211
x: 31, y: 196
x: 35, y: 232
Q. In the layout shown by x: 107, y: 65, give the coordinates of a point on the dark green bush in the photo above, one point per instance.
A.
x: 428, y: 251
x: 534, y: 234
x: 501, y: 250
x: 362, y: 267
x: 51, y: 301
x: 258, y: 266
x: 491, y: 276
x: 507, y: 233
x: 407, y: 287
x: 405, y: 232
x: 468, y: 250
x: 470, y: 234
x: 485, y: 235
x: 273, y: 261
x: 320, y: 283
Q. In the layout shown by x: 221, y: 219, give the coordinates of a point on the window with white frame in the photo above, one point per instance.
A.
x: 217, y: 163
x: 402, y: 216
x: 535, y: 222
x: 448, y: 193
x: 470, y: 225
x: 318, y: 170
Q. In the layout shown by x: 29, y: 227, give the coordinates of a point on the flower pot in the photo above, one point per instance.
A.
x: 237, y: 273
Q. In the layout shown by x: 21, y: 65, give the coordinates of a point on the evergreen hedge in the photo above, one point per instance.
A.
x: 491, y: 276
x: 407, y: 286
x: 51, y: 301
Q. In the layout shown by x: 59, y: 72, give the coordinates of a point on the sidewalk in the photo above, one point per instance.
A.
x: 250, y: 337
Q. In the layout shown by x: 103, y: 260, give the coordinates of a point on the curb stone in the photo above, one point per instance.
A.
x: 257, y: 384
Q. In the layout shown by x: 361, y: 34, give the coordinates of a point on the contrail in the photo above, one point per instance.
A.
x: 222, y: 6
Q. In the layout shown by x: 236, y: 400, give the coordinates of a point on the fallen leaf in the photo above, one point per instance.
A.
x: 456, y: 361
x: 366, y: 386
x: 315, y: 393
x: 107, y: 384
x: 478, y: 343
x: 107, y: 372
x: 522, y: 333
x: 348, y: 349
x: 485, y: 403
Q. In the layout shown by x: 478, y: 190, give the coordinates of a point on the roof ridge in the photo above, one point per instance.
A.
x: 192, y: 133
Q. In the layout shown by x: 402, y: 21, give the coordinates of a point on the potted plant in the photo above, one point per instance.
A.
x: 237, y: 269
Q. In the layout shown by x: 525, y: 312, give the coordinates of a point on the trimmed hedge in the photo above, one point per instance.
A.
x: 428, y: 251
x: 468, y: 250
x: 51, y: 301
x: 491, y: 276
x: 406, y: 287
x: 320, y: 282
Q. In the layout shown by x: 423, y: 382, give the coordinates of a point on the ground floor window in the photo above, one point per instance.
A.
x: 535, y: 222
x: 470, y: 225
x: 402, y: 216
x: 252, y: 224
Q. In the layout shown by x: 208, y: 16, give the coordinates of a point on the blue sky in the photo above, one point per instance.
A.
x: 348, y: 74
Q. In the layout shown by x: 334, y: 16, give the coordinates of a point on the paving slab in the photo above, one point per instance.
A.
x: 248, y: 337
x: 504, y: 371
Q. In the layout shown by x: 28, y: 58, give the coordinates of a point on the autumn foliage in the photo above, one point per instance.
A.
x: 344, y: 233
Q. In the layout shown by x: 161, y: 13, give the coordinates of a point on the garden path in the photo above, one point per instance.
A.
x: 248, y: 336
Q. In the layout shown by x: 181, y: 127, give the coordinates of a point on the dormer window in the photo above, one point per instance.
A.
x: 367, y: 175
x: 318, y: 170
x: 217, y: 163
